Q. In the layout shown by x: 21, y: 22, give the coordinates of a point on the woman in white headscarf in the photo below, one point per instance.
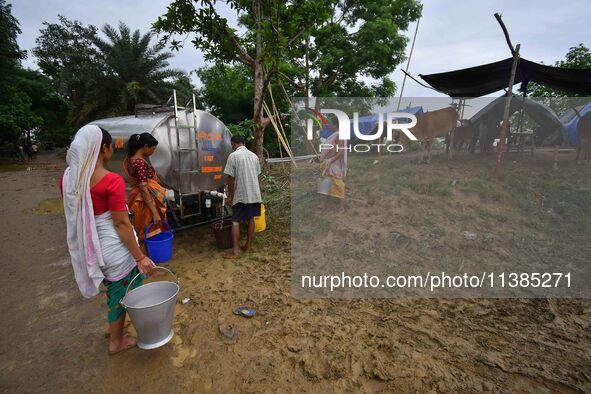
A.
x: 101, y: 240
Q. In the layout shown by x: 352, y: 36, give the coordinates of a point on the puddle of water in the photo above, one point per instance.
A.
x: 183, y: 353
x: 49, y: 206
x: 59, y: 263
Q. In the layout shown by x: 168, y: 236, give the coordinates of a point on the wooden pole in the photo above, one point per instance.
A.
x: 453, y: 131
x: 506, y: 33
x: 507, y: 108
x: 533, y: 141
x: 520, y: 122
x: 463, y: 104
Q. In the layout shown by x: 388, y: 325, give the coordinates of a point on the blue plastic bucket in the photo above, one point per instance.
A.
x: 160, y: 245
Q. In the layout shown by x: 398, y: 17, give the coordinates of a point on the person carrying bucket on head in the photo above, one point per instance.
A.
x: 243, y: 169
x: 102, y: 243
x: 147, y: 198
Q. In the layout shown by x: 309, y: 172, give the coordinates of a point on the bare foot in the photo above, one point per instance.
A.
x: 127, y: 342
x: 108, y: 333
x: 230, y: 255
x: 245, y: 249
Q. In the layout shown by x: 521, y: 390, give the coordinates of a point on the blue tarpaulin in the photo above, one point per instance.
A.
x: 369, y: 122
x: 570, y: 121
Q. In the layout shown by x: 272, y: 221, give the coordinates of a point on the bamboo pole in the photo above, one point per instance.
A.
x: 276, y: 111
x: 281, y: 155
x: 277, y: 124
x: 296, y: 115
x: 271, y: 118
x: 412, y: 47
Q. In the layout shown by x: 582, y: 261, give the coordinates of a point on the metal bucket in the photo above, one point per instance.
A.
x: 323, y: 185
x: 151, y: 309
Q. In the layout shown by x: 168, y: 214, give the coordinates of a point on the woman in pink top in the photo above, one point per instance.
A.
x: 101, y: 240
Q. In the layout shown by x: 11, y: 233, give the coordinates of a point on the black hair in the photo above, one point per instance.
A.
x: 107, y: 139
x: 138, y: 141
x: 334, y: 121
x: 237, y: 139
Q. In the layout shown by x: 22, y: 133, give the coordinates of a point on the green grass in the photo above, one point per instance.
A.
x: 275, y: 190
x: 13, y: 167
x: 427, y: 187
x: 528, y: 213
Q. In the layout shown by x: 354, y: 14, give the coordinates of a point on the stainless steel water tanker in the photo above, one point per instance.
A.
x: 193, y: 147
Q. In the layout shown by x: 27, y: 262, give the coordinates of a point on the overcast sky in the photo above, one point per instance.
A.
x: 452, y: 34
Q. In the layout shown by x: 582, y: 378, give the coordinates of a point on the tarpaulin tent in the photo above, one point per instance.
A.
x: 489, y: 78
x: 570, y: 121
x: 541, y: 114
x: 547, y: 121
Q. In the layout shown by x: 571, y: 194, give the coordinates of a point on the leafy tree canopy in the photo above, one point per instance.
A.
x: 320, y: 48
x: 10, y: 53
x: 16, y: 106
x: 560, y: 101
x: 227, y: 92
x: 106, y: 76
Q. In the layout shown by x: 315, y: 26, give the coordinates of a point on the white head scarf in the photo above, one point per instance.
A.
x: 83, y: 241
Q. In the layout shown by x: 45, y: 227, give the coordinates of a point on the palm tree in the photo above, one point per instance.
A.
x: 128, y: 70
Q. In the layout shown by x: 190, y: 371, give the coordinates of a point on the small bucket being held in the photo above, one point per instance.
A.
x: 151, y: 309
x: 159, y: 246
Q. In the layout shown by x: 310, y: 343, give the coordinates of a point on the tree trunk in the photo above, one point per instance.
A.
x: 257, y: 146
x: 258, y: 119
x: 259, y: 88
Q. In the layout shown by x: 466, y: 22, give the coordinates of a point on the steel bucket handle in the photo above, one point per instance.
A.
x: 135, y: 277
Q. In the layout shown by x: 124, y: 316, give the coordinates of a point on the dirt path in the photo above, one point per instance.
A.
x: 52, y: 340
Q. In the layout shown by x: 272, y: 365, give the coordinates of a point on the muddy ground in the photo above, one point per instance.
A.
x: 51, y: 339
